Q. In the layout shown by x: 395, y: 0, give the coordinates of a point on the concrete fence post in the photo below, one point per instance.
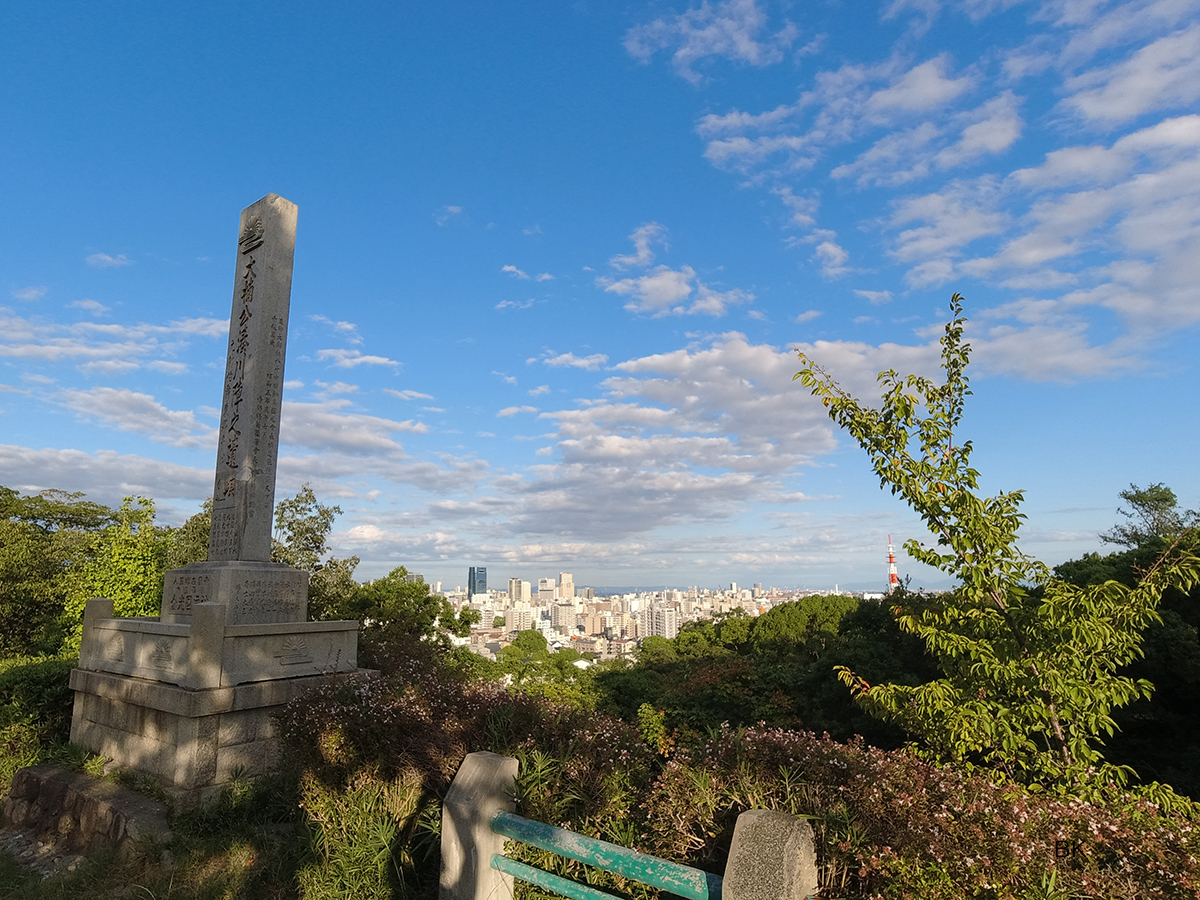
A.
x: 772, y: 857
x: 484, y: 786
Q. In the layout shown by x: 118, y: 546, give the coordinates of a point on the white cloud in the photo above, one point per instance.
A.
x: 544, y: 276
x: 996, y: 127
x: 447, y: 214
x: 31, y: 293
x: 347, y: 329
x: 95, y: 307
x: 408, y: 394
x: 539, y: 390
x: 642, y: 237
x: 129, y: 410
x: 513, y: 304
x: 590, y: 363
x: 832, y: 257
x: 513, y: 410
x: 105, y: 261
x: 730, y: 30
x: 875, y: 296
x: 507, y: 379
x: 1161, y: 75
x: 106, y: 476
x: 513, y: 270
x: 665, y: 291
x: 922, y: 88
x: 348, y: 359
x: 807, y: 316
x: 103, y: 347
x: 327, y: 426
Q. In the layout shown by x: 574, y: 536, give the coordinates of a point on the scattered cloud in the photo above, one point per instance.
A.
x: 513, y: 270
x: 1162, y: 75
x: 408, y: 394
x: 507, y: 379
x: 93, y: 306
x: 875, y: 296
x: 544, y: 276
x: 730, y: 30
x: 128, y: 410
x: 31, y: 293
x: 348, y: 359
x: 105, y: 261
x: 346, y: 329
x: 807, y: 316
x: 513, y: 304
x: 539, y: 390
x: 643, y: 236
x: 590, y: 363
x: 447, y: 214
x: 513, y: 410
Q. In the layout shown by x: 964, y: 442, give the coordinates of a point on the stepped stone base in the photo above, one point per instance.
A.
x: 192, y: 742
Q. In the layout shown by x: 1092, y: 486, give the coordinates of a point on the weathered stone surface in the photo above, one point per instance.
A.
x: 772, y: 857
x: 483, y: 787
x: 191, y: 741
x: 255, y: 592
x: 78, y: 812
x: 247, y: 451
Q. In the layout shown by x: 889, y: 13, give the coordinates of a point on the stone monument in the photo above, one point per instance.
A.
x: 187, y: 696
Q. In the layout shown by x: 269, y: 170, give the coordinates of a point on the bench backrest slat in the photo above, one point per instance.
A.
x: 683, y: 881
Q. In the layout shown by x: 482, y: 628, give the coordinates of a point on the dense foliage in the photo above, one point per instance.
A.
x: 374, y: 759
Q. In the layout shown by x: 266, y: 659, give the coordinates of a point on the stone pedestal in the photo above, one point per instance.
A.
x: 190, y: 704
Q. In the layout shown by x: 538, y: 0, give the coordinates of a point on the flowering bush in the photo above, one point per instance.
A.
x: 888, y: 823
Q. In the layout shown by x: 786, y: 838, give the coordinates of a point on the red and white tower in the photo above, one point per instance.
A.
x: 893, y: 578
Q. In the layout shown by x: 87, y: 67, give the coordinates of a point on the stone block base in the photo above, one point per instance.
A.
x: 191, y: 741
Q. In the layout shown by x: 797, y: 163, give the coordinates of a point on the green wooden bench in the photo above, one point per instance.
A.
x: 771, y: 857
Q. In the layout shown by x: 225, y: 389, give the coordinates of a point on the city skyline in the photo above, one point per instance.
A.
x: 553, y: 264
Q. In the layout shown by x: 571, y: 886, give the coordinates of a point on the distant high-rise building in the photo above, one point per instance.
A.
x: 664, y: 622
x: 518, y: 619
x: 413, y: 577
x: 518, y: 591
x: 566, y: 586
x: 588, y: 593
x: 546, y: 588
x: 477, y: 580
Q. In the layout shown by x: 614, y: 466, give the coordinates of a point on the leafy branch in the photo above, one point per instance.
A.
x: 1030, y: 662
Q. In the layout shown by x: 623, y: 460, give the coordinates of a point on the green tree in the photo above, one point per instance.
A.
x: 1153, y: 513
x: 1029, y: 679
x: 794, y: 623
x: 124, y: 562
x: 301, y: 540
x: 393, y: 606
x: 189, y: 542
x: 41, y: 537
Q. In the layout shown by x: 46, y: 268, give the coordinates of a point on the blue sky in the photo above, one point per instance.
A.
x: 553, y: 261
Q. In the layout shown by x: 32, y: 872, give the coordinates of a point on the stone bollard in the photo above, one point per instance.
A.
x: 772, y: 857
x: 483, y: 787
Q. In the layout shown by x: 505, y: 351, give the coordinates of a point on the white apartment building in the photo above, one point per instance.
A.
x: 546, y: 589
x: 663, y: 622
x: 519, y: 591
x: 519, y: 618
x: 566, y: 586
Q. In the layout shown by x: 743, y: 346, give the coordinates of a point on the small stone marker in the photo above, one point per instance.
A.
x: 484, y: 786
x: 239, y: 572
x: 771, y: 858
